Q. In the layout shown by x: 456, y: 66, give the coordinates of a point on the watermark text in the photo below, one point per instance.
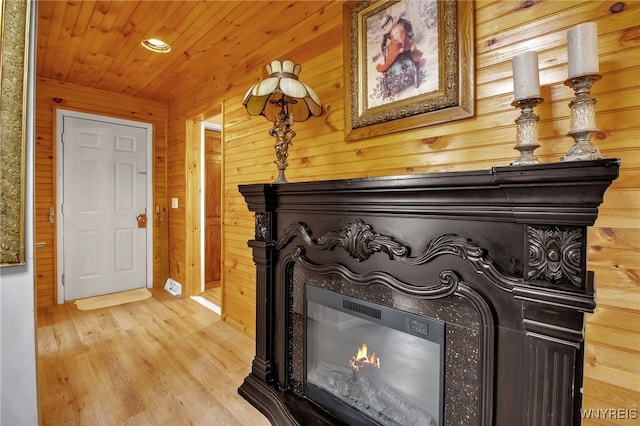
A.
x: 609, y: 413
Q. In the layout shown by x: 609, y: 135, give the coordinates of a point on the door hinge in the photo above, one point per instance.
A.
x: 62, y: 138
x: 62, y: 280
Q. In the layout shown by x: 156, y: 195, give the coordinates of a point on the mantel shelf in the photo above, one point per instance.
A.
x: 562, y: 193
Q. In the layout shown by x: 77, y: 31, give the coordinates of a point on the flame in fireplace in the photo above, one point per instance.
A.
x: 363, y: 359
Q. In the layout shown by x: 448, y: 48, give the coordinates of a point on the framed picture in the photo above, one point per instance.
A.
x: 408, y: 64
x: 14, y: 17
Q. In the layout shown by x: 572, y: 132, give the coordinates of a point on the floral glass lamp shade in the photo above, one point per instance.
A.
x: 280, y: 98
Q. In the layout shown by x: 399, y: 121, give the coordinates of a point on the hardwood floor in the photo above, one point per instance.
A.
x: 160, y: 361
x: 214, y: 295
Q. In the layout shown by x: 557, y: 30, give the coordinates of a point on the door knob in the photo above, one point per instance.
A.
x: 142, y: 220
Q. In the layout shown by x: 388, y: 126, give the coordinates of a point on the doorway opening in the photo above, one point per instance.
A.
x: 211, y: 213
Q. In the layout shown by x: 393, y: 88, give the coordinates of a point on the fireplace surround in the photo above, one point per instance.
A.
x: 497, y: 256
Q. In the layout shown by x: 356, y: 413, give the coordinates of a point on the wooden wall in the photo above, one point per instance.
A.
x: 51, y: 95
x: 502, y: 29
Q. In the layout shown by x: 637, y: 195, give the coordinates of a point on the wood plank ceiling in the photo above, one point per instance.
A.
x: 97, y: 43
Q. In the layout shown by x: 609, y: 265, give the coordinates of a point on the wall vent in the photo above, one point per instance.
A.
x: 173, y: 287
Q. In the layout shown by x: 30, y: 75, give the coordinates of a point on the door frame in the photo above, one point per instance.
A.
x: 59, y: 126
x: 217, y: 128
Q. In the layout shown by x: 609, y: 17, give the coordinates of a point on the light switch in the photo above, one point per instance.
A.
x: 174, y: 203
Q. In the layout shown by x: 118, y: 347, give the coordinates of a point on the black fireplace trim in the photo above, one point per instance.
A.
x: 571, y: 247
x: 555, y: 255
x: 448, y: 280
x: 282, y: 407
x: 550, y: 312
x: 361, y: 248
x: 563, y: 193
x: 487, y: 356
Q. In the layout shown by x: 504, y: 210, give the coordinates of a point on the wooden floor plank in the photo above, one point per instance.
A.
x: 214, y: 295
x: 165, y: 360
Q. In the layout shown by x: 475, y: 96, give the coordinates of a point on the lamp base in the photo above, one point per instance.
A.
x: 283, y: 133
x: 281, y: 178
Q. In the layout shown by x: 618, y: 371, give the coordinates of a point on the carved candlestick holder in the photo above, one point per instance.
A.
x: 583, y: 119
x: 527, y: 131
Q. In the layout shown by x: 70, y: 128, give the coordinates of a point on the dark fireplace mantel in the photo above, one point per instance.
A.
x: 499, y: 254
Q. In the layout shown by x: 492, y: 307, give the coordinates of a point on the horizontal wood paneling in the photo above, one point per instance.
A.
x: 53, y: 94
x: 502, y: 29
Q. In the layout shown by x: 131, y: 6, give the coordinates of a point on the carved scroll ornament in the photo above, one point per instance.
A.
x: 360, y: 241
x: 449, y: 281
x: 263, y: 226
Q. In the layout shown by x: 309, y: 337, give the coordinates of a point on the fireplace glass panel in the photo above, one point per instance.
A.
x: 373, y: 363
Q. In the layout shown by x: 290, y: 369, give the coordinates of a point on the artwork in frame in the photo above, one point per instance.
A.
x: 408, y: 64
x: 13, y: 40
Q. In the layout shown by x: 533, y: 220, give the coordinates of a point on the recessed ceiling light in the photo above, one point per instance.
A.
x: 155, y: 45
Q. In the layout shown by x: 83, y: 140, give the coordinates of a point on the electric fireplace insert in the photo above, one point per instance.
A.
x: 373, y: 363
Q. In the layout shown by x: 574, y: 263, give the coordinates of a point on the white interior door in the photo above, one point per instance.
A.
x: 104, y: 198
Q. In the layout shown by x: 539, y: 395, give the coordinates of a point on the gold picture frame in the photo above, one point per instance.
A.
x: 14, y: 20
x: 408, y: 64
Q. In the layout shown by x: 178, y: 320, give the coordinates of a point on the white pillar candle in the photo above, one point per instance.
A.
x: 526, y: 79
x: 582, y: 47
